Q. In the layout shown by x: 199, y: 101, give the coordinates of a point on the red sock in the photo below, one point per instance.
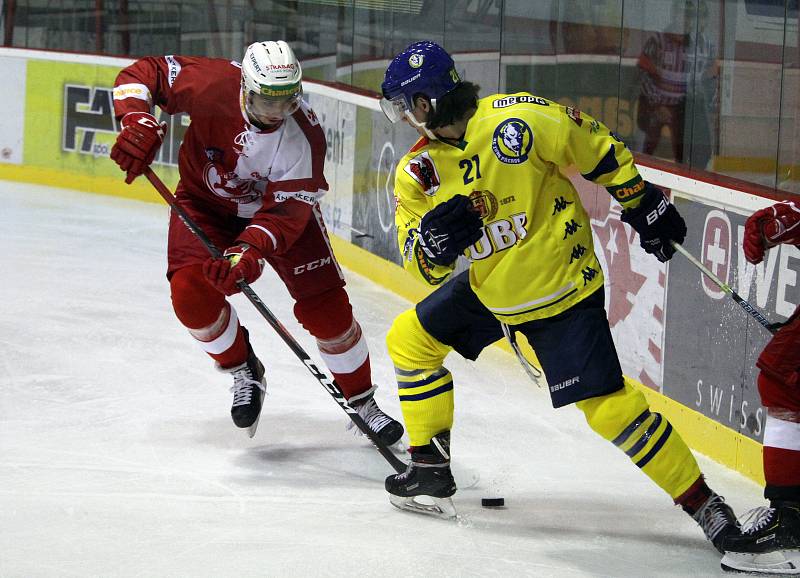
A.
x: 692, y: 499
x: 329, y: 318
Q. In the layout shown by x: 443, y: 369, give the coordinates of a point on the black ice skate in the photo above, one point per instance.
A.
x: 388, y: 429
x: 717, y: 520
x: 249, y: 387
x: 427, y: 484
x: 769, y: 541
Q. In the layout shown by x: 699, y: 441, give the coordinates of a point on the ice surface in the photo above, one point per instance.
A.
x: 118, y: 456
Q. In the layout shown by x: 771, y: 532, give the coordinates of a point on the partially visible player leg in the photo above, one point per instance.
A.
x: 211, y: 320
x: 770, y: 538
x: 654, y: 446
x: 313, y: 277
x: 579, y: 359
x: 343, y: 348
x: 418, y: 341
x: 426, y: 399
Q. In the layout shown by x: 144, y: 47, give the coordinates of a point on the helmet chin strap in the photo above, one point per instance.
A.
x: 422, y: 125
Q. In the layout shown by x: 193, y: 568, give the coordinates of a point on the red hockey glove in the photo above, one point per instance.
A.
x: 771, y: 226
x: 137, y: 143
x: 658, y: 223
x: 239, y: 263
x: 447, y: 229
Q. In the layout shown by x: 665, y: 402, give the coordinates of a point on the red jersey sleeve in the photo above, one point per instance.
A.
x: 169, y: 82
x: 275, y: 230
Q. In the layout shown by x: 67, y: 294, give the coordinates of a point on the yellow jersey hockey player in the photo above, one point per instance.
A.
x: 484, y: 182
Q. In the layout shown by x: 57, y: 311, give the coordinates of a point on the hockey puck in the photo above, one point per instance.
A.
x: 493, y: 502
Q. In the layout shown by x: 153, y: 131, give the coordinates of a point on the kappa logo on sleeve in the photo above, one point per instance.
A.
x: 422, y: 170
x: 716, y: 253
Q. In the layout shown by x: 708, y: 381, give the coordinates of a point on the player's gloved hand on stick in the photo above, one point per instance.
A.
x: 771, y: 226
x: 447, y: 229
x: 239, y: 263
x: 658, y: 223
x: 137, y: 143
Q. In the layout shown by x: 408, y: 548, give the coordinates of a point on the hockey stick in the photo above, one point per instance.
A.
x: 755, y: 313
x: 330, y: 385
x: 533, y: 372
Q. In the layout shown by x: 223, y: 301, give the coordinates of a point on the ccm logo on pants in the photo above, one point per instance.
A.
x: 300, y: 269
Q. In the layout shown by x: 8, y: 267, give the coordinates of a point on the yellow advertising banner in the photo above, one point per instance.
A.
x: 70, y: 129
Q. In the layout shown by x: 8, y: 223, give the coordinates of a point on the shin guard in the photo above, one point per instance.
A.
x: 647, y: 438
x: 425, y: 386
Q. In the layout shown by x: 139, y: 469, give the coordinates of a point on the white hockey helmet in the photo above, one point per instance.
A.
x: 271, y: 81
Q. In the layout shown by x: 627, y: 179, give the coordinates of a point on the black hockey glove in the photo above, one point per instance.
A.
x: 658, y: 223
x: 447, y: 229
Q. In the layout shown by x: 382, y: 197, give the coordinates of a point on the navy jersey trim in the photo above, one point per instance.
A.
x: 425, y: 395
x: 608, y: 164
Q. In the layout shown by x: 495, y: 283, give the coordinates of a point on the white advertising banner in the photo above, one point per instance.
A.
x: 12, y: 121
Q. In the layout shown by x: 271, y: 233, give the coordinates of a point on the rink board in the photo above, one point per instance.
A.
x: 688, y: 348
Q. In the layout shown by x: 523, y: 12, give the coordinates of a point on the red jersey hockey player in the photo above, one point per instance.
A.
x: 251, y: 175
x: 770, y: 538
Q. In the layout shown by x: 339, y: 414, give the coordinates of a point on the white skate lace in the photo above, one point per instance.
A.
x: 756, y: 519
x: 372, y: 415
x: 712, y: 516
x: 242, y: 388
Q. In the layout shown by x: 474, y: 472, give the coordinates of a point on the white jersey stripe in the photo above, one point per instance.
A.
x: 173, y: 69
x: 782, y: 434
x: 133, y: 90
x: 224, y: 342
x: 558, y: 293
x: 350, y: 360
x: 267, y: 232
x: 318, y: 215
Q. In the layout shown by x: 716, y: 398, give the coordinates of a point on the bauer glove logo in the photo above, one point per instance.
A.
x: 659, y: 210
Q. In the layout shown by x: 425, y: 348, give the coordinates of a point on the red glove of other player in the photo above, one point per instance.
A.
x: 239, y: 263
x: 137, y: 143
x: 771, y: 226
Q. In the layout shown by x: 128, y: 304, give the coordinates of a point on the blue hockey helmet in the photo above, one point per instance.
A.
x: 423, y: 68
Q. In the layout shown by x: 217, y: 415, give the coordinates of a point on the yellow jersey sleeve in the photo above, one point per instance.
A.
x: 599, y: 155
x: 411, y: 204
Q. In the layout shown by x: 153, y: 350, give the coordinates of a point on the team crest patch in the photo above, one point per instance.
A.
x: 416, y: 60
x: 575, y: 115
x: 422, y: 170
x: 512, y: 141
x: 485, y: 202
x: 214, y: 154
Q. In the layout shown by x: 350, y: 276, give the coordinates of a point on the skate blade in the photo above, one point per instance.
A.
x: 439, y: 508
x: 784, y: 562
x: 251, y: 431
